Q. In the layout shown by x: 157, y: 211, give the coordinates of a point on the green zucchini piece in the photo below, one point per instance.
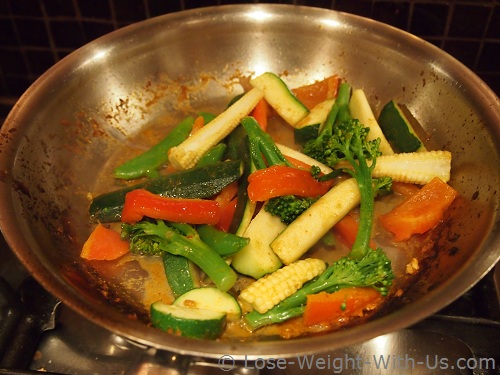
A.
x: 197, y: 182
x: 398, y: 130
x: 257, y: 258
x: 188, y: 322
x: 280, y: 97
x: 182, y: 275
x: 225, y: 244
x: 304, y: 134
x: 211, y: 299
x: 310, y: 126
x: 239, y: 149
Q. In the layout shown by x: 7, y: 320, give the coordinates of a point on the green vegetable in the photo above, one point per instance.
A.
x: 263, y: 151
x: 212, y: 156
x: 147, y: 163
x: 198, y: 182
x: 279, y: 96
x: 289, y: 207
x: 211, y: 299
x: 339, y: 112
x: 153, y: 238
x: 225, y: 244
x: 182, y: 275
x: 373, y: 270
x: 310, y: 126
x: 398, y: 130
x: 347, y: 141
x: 238, y: 149
x: 188, y: 322
x: 257, y: 258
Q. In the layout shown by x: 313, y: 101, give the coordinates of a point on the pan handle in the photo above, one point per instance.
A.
x: 168, y: 363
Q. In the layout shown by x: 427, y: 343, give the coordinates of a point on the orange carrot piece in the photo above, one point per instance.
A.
x: 347, y: 229
x: 261, y: 113
x: 315, y: 93
x: 421, y: 212
x: 198, y: 123
x: 104, y: 244
x: 327, y: 307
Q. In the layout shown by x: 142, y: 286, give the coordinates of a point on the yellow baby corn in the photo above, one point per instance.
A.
x: 273, y: 288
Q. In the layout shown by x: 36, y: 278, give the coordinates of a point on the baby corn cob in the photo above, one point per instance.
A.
x: 273, y: 288
x: 414, y: 167
x: 187, y: 154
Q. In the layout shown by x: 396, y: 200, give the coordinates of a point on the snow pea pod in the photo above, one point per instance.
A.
x: 147, y: 163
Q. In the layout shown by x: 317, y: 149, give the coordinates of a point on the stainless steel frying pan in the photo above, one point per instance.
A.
x: 58, y: 143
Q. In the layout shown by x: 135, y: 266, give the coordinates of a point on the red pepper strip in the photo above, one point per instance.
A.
x: 140, y: 203
x: 227, y: 214
x: 260, y: 113
x: 281, y: 180
x: 227, y: 201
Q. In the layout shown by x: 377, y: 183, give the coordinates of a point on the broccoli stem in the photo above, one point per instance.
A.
x: 339, y: 111
x: 182, y: 239
x: 373, y: 270
x: 263, y: 150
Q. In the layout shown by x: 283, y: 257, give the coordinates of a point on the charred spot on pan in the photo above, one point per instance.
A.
x: 453, y: 251
x: 21, y: 188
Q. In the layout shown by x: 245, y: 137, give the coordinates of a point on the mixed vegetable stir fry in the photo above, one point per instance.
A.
x: 234, y: 216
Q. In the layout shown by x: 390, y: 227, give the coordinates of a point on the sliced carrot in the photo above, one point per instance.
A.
x: 315, y: 93
x: 104, y: 244
x: 420, y: 212
x: 261, y: 113
x: 198, y: 123
x: 328, y: 307
x: 347, y: 230
x: 227, y: 194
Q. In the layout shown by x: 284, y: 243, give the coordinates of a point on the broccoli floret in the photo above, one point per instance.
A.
x: 373, y: 270
x: 345, y: 140
x: 152, y: 238
x: 289, y: 207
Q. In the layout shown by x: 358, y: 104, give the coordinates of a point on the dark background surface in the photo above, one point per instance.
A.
x: 35, y: 34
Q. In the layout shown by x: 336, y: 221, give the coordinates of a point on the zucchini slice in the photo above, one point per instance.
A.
x: 398, y: 130
x: 211, y: 299
x: 257, y: 258
x: 280, y: 97
x: 188, y: 322
x: 310, y: 126
x: 182, y: 275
